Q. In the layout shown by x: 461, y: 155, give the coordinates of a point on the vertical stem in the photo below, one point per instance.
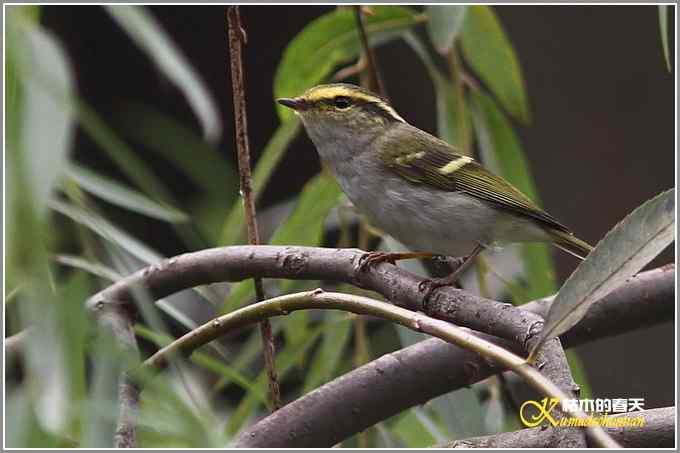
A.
x: 375, y: 82
x: 237, y: 37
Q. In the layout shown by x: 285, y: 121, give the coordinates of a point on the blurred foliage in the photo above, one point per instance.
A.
x: 63, y: 248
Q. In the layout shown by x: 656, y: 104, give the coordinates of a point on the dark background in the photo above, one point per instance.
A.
x: 601, y: 141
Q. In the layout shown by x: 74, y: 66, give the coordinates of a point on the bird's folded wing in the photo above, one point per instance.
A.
x: 430, y: 161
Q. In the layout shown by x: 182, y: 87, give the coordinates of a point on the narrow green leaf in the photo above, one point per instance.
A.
x: 410, y: 430
x: 123, y: 155
x: 663, y: 29
x: 578, y: 371
x: 626, y: 249
x: 201, y: 161
x: 338, y: 327
x: 207, y: 362
x: 48, y: 124
x: 453, y: 122
x: 98, y: 269
x: 152, y: 39
x: 266, y: 164
x: 116, y: 193
x: 489, y: 52
x: 501, y: 152
x: 107, y: 230
x: 330, y: 40
x: 444, y: 24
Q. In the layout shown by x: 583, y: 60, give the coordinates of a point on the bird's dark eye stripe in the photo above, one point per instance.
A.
x: 342, y: 102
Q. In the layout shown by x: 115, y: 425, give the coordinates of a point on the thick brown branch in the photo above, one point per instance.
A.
x: 237, y: 37
x: 241, y: 262
x: 658, y: 432
x: 283, y: 305
x: 416, y: 374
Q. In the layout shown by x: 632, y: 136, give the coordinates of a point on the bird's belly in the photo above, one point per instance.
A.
x: 424, y: 219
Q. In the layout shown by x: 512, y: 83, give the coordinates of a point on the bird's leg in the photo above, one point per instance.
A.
x: 371, y: 258
x: 430, y: 284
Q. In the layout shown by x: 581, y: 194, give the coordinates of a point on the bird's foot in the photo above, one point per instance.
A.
x: 372, y: 258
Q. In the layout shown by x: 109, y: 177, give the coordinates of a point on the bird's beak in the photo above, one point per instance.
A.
x: 293, y: 103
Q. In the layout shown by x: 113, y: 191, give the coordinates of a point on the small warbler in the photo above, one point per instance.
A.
x: 416, y: 187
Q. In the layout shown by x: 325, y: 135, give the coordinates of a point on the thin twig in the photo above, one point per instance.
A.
x: 237, y: 38
x: 319, y: 299
x: 375, y: 82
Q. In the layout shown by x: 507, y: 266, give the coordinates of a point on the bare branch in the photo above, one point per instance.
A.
x: 658, y: 432
x: 418, y: 373
x: 241, y: 262
x: 237, y: 37
x: 363, y: 305
x: 375, y: 82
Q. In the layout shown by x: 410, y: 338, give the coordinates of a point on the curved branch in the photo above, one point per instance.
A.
x: 314, y: 263
x: 416, y: 374
x: 363, y: 305
x: 658, y: 432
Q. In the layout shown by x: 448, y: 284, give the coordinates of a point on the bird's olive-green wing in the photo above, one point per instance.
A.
x: 424, y: 159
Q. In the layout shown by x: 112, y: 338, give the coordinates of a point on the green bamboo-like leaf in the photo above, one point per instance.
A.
x: 123, y: 155
x: 271, y: 155
x: 626, y: 249
x: 663, y: 29
x: 410, y: 430
x: 107, y: 230
x: 453, y: 122
x: 338, y: 327
x: 489, y: 52
x: 116, y: 193
x: 47, y: 124
x: 501, y: 152
x: 98, y: 269
x: 330, y: 40
x: 201, y: 161
x: 207, y: 362
x: 152, y: 39
x: 444, y: 24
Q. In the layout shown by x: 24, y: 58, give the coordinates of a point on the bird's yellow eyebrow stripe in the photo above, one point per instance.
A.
x: 319, y: 94
x: 454, y: 165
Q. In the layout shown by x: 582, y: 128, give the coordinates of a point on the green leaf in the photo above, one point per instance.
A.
x: 266, y: 164
x: 444, y: 24
x: 107, y: 230
x: 330, y: 40
x: 338, y: 327
x: 453, y: 122
x: 123, y: 155
x: 489, y: 52
x: 47, y: 125
x: 663, y: 29
x: 152, y: 39
x: 97, y: 269
x: 501, y: 152
x: 207, y: 362
x: 410, y: 430
x: 116, y: 193
x: 201, y: 161
x: 626, y: 249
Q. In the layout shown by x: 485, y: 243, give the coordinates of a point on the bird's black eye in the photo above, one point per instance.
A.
x: 342, y: 102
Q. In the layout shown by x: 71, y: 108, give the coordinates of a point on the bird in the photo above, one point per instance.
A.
x: 416, y: 187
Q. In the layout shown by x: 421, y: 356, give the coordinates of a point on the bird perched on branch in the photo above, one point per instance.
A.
x: 416, y: 187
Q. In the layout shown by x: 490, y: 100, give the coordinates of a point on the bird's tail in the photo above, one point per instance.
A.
x: 571, y: 244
